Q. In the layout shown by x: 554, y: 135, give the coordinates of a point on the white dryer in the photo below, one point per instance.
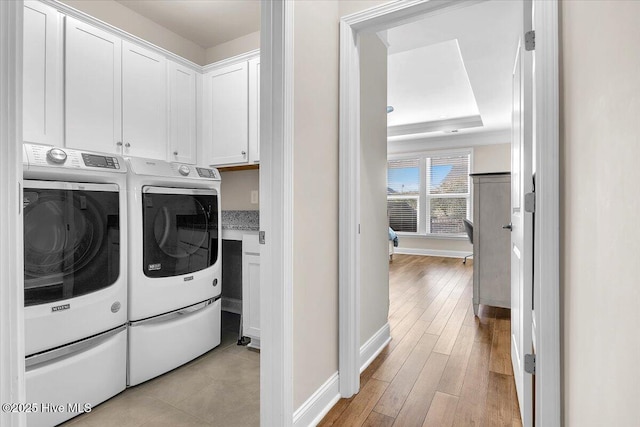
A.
x: 175, y: 265
x: 75, y: 279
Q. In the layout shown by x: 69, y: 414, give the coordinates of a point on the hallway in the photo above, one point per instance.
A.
x: 443, y: 366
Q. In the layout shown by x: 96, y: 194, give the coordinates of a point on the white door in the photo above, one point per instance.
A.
x: 522, y: 231
x: 254, y: 110
x: 93, y: 103
x: 42, y: 74
x: 226, y: 115
x: 182, y: 114
x: 144, y: 102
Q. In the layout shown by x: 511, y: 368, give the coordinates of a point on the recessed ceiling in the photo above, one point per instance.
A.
x: 206, y: 23
x: 429, y: 84
x: 487, y: 35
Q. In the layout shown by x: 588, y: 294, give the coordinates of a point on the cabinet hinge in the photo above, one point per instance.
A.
x: 261, y: 237
x: 530, y: 363
x: 530, y: 40
x: 530, y: 202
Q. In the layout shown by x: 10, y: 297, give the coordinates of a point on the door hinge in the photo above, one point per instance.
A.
x: 530, y: 202
x: 261, y: 237
x: 530, y: 363
x: 530, y: 40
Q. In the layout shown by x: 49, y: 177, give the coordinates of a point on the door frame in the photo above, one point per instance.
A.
x: 546, y: 257
x: 276, y: 213
x: 12, y: 367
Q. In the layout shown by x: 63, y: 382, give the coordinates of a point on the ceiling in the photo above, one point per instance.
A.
x: 206, y: 23
x: 427, y: 83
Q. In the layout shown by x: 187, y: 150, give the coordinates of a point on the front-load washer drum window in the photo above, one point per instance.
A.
x: 71, y: 243
x: 180, y: 233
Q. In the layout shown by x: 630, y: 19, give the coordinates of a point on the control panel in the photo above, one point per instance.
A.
x: 43, y: 155
x: 207, y: 173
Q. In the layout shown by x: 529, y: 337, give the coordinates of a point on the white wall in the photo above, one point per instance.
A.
x: 132, y: 22
x: 236, y: 190
x: 315, y: 198
x: 233, y: 47
x: 600, y: 242
x: 374, y: 249
x: 486, y: 158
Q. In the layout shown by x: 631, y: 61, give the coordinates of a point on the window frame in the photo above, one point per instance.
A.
x: 424, y: 199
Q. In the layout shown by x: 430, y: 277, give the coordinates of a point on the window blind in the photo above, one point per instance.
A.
x: 403, y: 191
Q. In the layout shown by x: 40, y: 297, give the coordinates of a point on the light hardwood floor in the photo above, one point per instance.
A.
x: 444, y: 367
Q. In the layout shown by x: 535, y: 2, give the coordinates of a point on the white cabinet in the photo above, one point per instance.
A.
x: 254, y: 110
x: 251, y: 289
x: 491, y: 242
x: 182, y: 114
x: 93, y: 104
x: 42, y: 75
x: 225, y: 116
x: 144, y: 102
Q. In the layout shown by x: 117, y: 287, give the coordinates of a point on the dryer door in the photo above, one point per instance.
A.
x: 180, y: 230
x: 71, y: 239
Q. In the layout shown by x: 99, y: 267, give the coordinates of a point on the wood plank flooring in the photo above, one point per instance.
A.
x: 444, y: 366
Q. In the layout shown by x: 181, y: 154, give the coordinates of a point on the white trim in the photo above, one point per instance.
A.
x: 12, y: 367
x: 232, y: 60
x: 547, y: 268
x: 548, y: 400
x: 91, y: 20
x: 432, y: 252
x: 313, y: 410
x: 232, y: 305
x: 435, y: 126
x: 397, y: 145
x: 276, y: 214
x: 374, y: 346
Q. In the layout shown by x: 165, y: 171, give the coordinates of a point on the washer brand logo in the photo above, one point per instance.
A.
x: 151, y: 163
x: 61, y: 307
x: 155, y: 267
x: 186, y: 279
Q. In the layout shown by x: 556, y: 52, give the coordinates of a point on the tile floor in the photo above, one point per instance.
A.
x: 220, y: 388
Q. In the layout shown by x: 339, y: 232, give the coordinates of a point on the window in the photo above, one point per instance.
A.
x: 429, y: 194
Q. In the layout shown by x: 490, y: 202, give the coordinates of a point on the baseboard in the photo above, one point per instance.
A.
x: 432, y: 252
x: 372, y: 348
x: 311, y: 412
x: 232, y: 305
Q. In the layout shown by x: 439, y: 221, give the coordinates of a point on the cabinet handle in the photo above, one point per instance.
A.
x: 119, y: 143
x: 175, y: 153
x: 244, y: 153
x: 508, y: 227
x: 127, y: 145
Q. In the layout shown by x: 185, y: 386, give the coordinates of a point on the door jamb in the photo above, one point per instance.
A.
x: 546, y: 263
x: 276, y: 213
x: 12, y: 368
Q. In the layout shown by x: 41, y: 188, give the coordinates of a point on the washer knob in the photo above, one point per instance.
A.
x: 57, y: 155
x: 184, y: 170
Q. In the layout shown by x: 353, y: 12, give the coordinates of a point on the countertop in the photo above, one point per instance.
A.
x: 241, y: 220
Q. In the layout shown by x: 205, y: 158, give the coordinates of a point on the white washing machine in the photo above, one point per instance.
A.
x: 75, y: 279
x: 175, y: 265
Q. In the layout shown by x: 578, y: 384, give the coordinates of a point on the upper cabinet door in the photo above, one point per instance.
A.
x: 93, y: 107
x: 226, y: 112
x: 182, y: 114
x: 254, y: 110
x: 144, y: 102
x: 42, y: 74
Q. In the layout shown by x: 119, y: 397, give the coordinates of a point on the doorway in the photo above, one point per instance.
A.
x: 354, y: 27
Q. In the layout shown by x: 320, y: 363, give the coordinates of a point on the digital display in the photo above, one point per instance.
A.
x: 206, y: 173
x: 99, y: 161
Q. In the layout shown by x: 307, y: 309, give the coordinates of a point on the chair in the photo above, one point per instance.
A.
x: 468, y: 226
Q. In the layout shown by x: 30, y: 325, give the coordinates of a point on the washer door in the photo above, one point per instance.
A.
x: 180, y: 230
x: 71, y: 240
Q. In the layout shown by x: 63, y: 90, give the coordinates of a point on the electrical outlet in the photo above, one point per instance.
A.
x: 254, y: 197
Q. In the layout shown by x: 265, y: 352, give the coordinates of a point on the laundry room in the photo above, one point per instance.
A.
x: 141, y: 198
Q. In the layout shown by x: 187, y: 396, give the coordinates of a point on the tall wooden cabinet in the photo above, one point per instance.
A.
x: 491, y: 242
